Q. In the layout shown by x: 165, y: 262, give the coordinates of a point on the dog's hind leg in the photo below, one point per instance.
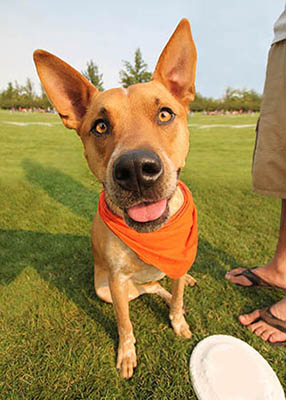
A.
x: 102, y: 289
x: 135, y: 290
x: 101, y: 284
x: 154, y: 288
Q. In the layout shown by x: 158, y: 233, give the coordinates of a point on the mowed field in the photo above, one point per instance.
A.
x: 57, y: 339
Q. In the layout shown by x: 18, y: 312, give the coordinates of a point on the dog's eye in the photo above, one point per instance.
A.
x: 165, y: 115
x: 100, y: 127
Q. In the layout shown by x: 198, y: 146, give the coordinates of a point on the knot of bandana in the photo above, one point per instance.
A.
x: 172, y: 248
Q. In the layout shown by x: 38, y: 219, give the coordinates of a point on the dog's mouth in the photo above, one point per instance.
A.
x: 146, y: 212
x: 147, y: 216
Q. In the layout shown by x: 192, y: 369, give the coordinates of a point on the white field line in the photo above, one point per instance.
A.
x: 222, y: 126
x: 32, y: 123
x: 50, y: 124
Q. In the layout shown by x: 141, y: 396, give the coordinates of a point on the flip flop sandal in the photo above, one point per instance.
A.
x: 267, y: 316
x: 255, y: 280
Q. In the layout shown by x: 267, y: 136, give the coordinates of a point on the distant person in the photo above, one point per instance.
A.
x: 269, y: 178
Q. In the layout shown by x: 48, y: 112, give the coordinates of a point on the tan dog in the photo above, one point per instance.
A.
x: 135, y: 142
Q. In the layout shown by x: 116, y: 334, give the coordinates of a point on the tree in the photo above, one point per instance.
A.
x: 93, y: 75
x: 135, y: 74
x: 16, y: 96
x: 201, y: 103
x: 26, y: 94
x: 7, y: 96
x: 28, y: 89
x: 236, y: 99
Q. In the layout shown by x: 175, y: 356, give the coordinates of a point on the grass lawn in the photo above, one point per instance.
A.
x: 57, y: 339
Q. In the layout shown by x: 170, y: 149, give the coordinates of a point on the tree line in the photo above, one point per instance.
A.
x: 243, y: 100
x: 24, y: 96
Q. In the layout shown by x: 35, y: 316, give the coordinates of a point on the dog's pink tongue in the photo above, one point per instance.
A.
x: 147, y: 211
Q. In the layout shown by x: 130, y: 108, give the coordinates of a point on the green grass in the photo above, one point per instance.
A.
x: 57, y: 339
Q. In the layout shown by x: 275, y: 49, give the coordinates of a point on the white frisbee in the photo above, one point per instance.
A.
x: 226, y: 368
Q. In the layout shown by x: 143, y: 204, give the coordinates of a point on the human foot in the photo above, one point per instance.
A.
x: 268, y: 275
x: 265, y: 323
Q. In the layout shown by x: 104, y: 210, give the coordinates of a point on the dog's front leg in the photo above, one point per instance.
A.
x: 177, y: 318
x: 126, y: 358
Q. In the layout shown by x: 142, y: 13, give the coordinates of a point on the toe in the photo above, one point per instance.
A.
x: 233, y: 272
x: 247, y: 319
x: 256, y: 326
x: 186, y: 333
x: 261, y: 331
x: 277, y: 337
x: 240, y: 280
x: 236, y: 271
x: 266, y: 334
x: 127, y: 367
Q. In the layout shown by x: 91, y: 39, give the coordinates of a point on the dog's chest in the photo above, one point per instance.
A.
x: 125, y: 261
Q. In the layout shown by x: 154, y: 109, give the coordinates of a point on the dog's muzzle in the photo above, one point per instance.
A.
x: 137, y: 174
x: 137, y: 170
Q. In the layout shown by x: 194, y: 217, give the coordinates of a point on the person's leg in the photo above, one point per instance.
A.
x: 269, y: 166
x: 275, y: 271
x: 268, y: 178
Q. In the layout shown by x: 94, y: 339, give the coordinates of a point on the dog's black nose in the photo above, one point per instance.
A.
x: 137, y: 170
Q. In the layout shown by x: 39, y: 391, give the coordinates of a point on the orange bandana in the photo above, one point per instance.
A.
x: 172, y: 248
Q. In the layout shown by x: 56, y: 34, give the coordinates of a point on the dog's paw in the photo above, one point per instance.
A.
x: 126, y: 359
x: 180, y: 326
x: 190, y: 281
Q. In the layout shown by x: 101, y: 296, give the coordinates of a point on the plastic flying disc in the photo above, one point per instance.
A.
x: 226, y: 368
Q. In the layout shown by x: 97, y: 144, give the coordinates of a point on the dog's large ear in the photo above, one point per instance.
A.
x: 68, y: 90
x: 176, y: 68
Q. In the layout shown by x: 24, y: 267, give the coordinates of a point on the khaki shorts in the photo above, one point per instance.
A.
x: 269, y: 158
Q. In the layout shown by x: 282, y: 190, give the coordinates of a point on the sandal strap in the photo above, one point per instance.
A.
x: 267, y: 316
x: 255, y: 279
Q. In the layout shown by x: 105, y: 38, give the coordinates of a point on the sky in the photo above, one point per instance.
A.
x: 232, y: 37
